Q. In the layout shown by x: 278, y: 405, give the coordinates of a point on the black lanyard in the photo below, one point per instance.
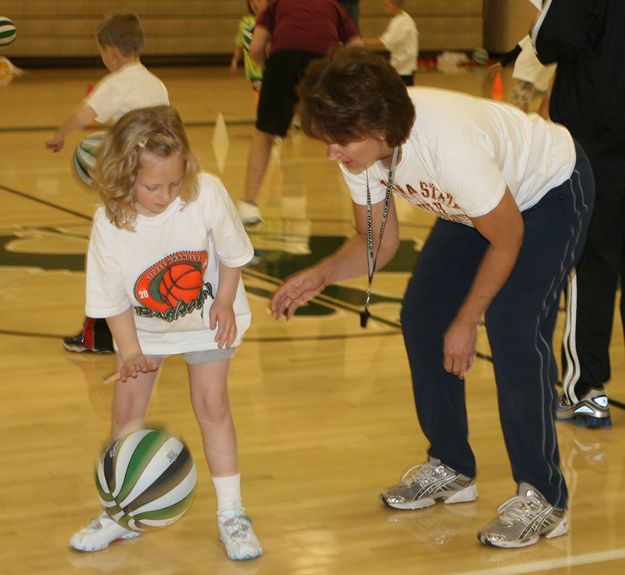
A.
x: 371, y: 258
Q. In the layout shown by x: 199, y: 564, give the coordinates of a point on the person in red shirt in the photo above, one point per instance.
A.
x: 289, y: 34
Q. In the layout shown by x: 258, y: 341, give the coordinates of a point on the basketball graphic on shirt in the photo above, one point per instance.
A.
x: 173, y: 286
x: 180, y: 282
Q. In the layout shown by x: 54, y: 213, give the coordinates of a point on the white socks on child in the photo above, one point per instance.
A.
x: 228, y: 490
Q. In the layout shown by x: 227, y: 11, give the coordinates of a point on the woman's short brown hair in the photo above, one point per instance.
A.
x: 354, y: 94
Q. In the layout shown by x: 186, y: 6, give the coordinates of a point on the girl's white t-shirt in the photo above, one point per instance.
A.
x: 167, y: 270
x: 463, y: 152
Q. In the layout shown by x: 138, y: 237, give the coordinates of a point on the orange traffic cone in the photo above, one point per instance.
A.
x: 496, y: 92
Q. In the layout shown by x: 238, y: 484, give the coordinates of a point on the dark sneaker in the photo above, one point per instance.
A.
x: 592, y: 410
x: 95, y: 337
x: 424, y: 485
x: 523, y: 520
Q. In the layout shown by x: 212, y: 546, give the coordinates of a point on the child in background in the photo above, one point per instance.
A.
x: 162, y: 216
x: 242, y: 41
x: 531, y: 89
x: 129, y: 86
x: 8, y: 71
x: 401, y: 39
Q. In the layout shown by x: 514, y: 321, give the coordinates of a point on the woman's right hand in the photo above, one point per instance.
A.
x: 295, y: 291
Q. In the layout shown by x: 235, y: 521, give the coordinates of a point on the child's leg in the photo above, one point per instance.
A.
x: 131, y: 401
x: 130, y: 405
x: 209, y: 395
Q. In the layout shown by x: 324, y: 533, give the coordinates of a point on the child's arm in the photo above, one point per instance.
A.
x: 374, y: 44
x: 236, y: 57
x: 221, y: 314
x: 80, y: 119
x: 260, y: 44
x: 124, y: 332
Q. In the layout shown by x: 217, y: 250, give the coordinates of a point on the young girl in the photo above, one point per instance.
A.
x: 163, y: 268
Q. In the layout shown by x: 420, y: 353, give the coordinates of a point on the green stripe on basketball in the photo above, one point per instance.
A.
x: 84, y: 156
x: 161, y: 517
x: 147, y: 475
x: 179, y: 469
x: 141, y: 457
x: 8, y: 32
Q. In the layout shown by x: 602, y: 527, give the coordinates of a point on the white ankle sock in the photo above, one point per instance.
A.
x: 228, y: 490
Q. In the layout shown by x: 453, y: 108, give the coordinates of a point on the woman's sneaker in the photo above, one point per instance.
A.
x: 424, y: 485
x: 237, y: 535
x: 592, y: 410
x: 523, y: 520
x: 99, y: 534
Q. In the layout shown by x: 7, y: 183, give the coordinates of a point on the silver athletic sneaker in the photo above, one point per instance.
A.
x: 523, y: 520
x: 99, y: 534
x: 592, y: 410
x: 423, y: 485
x: 237, y: 535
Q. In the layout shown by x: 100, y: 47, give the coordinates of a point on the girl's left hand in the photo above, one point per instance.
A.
x: 459, y: 347
x: 222, y: 318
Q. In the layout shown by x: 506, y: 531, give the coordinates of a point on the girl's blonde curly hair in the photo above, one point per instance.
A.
x: 158, y: 130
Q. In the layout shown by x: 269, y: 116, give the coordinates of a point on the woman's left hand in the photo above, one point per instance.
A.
x: 459, y: 347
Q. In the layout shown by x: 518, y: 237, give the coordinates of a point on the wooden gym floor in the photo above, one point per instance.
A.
x: 323, y: 409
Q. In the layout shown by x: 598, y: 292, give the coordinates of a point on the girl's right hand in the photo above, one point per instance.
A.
x: 134, y: 365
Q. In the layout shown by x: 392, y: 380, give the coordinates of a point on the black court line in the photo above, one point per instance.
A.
x: 612, y: 402
x: 45, y: 203
x: 270, y: 339
x: 203, y: 124
x: 321, y: 299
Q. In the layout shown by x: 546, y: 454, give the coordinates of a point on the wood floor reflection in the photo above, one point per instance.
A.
x: 323, y: 409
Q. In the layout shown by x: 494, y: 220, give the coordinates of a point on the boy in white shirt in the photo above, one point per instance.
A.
x: 401, y: 39
x: 129, y: 86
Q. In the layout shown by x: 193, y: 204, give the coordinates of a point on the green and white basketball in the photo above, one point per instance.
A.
x: 83, y: 159
x: 146, y: 480
x: 480, y: 56
x: 8, y: 31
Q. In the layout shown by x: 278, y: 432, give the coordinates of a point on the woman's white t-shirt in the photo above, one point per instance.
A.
x: 463, y: 152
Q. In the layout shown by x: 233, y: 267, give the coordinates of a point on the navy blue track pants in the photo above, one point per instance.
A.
x: 520, y: 323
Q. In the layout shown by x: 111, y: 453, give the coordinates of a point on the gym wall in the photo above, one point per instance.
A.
x: 203, y: 30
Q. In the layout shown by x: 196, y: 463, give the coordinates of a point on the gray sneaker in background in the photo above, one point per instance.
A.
x: 592, y: 410
x: 523, y: 520
x: 424, y: 485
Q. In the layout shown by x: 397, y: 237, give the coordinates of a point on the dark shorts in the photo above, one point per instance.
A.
x: 278, y: 95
